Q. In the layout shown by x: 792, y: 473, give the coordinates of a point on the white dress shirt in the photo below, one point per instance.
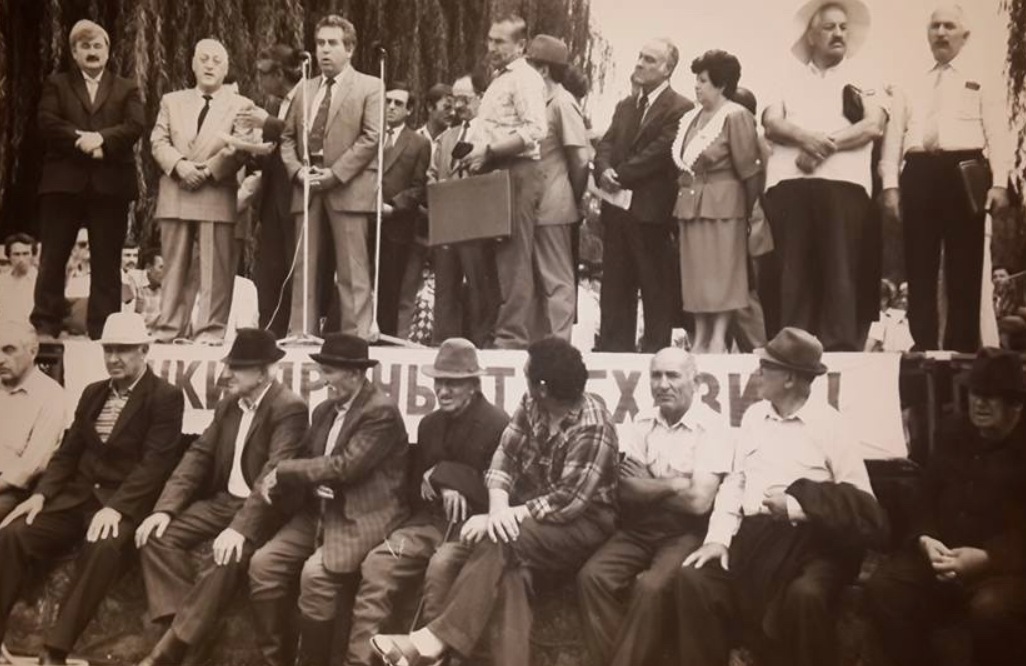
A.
x: 237, y: 485
x: 92, y: 85
x: 773, y: 452
x: 514, y: 103
x: 33, y: 416
x: 970, y: 114
x: 697, y: 443
x: 812, y: 99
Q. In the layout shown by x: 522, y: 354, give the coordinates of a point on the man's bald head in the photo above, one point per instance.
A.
x: 210, y: 65
x: 19, y: 346
x: 671, y: 377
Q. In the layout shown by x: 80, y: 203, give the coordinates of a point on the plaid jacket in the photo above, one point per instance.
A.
x: 562, y: 474
x: 366, y: 469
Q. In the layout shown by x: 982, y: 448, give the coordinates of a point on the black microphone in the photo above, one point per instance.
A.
x: 306, y: 56
x: 379, y: 48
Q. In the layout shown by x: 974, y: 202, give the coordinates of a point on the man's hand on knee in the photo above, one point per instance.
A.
x: 228, y: 547
x: 154, y: 525
x: 30, y: 508
x: 504, y: 524
x: 707, y: 553
x: 103, y: 525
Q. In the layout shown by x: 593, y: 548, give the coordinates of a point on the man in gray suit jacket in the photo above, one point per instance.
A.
x: 197, y: 197
x: 352, y: 481
x: 256, y: 426
x: 343, y: 110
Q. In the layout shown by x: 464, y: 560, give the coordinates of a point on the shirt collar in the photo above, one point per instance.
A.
x: 336, y: 78
x: 802, y: 414
x: 518, y: 63
x: 828, y: 72
x: 128, y: 391
x: 246, y: 406
x: 95, y: 79
x: 655, y: 93
x: 954, y: 65
x: 214, y: 95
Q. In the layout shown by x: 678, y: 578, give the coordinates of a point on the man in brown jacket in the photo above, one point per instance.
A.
x: 351, y: 483
x: 259, y: 424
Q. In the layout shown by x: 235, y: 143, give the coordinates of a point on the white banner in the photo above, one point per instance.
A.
x: 864, y: 387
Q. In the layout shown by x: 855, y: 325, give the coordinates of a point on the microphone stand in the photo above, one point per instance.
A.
x: 375, y: 332
x: 306, y: 337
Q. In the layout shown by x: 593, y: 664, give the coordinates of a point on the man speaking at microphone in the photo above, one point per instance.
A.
x: 342, y: 109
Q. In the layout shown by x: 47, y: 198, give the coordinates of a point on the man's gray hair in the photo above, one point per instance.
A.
x: 24, y: 331
x: 672, y: 52
x: 86, y: 29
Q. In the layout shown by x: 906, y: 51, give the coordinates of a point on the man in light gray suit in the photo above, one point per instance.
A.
x: 197, y: 197
x: 343, y: 112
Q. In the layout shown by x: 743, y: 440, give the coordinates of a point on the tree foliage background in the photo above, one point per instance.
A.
x: 152, y: 40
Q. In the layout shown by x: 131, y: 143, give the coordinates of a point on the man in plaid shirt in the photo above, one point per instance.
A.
x: 551, y: 489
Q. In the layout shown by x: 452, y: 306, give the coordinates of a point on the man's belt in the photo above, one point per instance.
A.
x: 952, y: 156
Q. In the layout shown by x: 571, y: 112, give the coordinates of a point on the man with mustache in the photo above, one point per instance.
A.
x: 949, y: 114
x: 89, y: 119
x: 818, y: 181
x: 970, y: 533
x: 675, y: 458
x: 196, y: 203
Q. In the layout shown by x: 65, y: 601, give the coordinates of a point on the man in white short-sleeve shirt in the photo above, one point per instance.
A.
x: 818, y: 180
x: 673, y: 460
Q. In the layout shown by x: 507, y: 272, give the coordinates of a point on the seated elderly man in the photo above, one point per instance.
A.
x: 551, y: 503
x: 788, y: 527
x: 32, y: 407
x: 258, y: 424
x: 674, y: 460
x: 454, y: 446
x: 968, y: 560
x: 99, y: 485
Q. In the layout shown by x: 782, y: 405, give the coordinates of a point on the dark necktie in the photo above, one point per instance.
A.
x: 461, y: 171
x: 389, y: 138
x: 639, y: 113
x: 321, y: 120
x: 203, y: 113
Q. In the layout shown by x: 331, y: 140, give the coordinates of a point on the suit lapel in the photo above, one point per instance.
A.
x: 654, y: 111
x: 219, y: 106
x: 351, y: 417
x: 136, y: 399
x: 393, y: 153
x: 103, y: 92
x: 344, y: 81
x: 78, y: 86
x: 262, y: 412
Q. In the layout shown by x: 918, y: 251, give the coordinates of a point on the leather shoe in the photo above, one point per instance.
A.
x: 52, y: 658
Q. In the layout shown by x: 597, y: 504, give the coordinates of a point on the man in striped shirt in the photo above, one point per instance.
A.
x: 101, y: 482
x: 552, y: 502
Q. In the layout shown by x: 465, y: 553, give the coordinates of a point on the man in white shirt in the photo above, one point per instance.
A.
x: 258, y: 424
x: 788, y: 525
x: 948, y: 115
x: 18, y: 287
x: 673, y: 461
x: 818, y: 181
x: 32, y: 408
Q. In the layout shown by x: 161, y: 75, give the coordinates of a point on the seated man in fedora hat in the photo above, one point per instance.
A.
x: 454, y: 446
x: 351, y: 488
x: 258, y: 424
x: 968, y: 559
x: 101, y: 482
x: 788, y: 526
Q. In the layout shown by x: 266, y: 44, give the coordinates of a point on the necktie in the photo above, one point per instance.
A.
x: 639, y: 113
x: 91, y: 87
x: 389, y: 138
x: 462, y: 171
x: 931, y: 127
x: 203, y: 113
x: 321, y: 120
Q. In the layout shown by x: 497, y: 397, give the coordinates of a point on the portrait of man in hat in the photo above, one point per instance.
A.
x: 788, y: 526
x: 350, y: 485
x: 818, y: 181
x: 967, y: 560
x: 455, y: 443
x: 100, y: 484
x: 257, y: 424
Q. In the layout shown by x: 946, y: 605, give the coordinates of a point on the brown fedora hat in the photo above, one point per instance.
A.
x: 997, y: 372
x: 456, y: 359
x: 794, y: 349
x: 253, y: 346
x: 341, y: 350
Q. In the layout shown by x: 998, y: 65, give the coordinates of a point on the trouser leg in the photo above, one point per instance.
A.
x: 921, y: 212
x: 650, y: 603
x: 997, y: 615
x: 319, y: 595
x: 60, y: 219
x: 448, y: 314
x: 276, y: 248
x: 842, y: 226
x: 386, y: 571
x: 442, y: 571
x: 514, y: 256
x: 216, y: 279
x: 555, y: 277
x: 477, y: 262
x: 352, y: 270
x: 791, y: 219
x: 309, y: 266
x: 409, y: 288
x: 707, y: 611
x: 807, y: 617
x: 658, y: 281
x: 98, y: 566
x: 176, y: 298
x: 618, y: 301
x: 107, y: 222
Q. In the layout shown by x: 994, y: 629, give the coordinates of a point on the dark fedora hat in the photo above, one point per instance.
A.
x: 341, y: 350
x: 997, y: 372
x: 794, y: 349
x: 252, y: 346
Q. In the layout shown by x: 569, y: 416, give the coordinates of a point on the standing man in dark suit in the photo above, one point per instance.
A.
x: 637, y: 250
x: 277, y: 75
x: 351, y: 484
x: 258, y: 424
x: 90, y: 119
x: 404, y: 175
x: 454, y: 446
x: 99, y: 484
x: 344, y: 108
